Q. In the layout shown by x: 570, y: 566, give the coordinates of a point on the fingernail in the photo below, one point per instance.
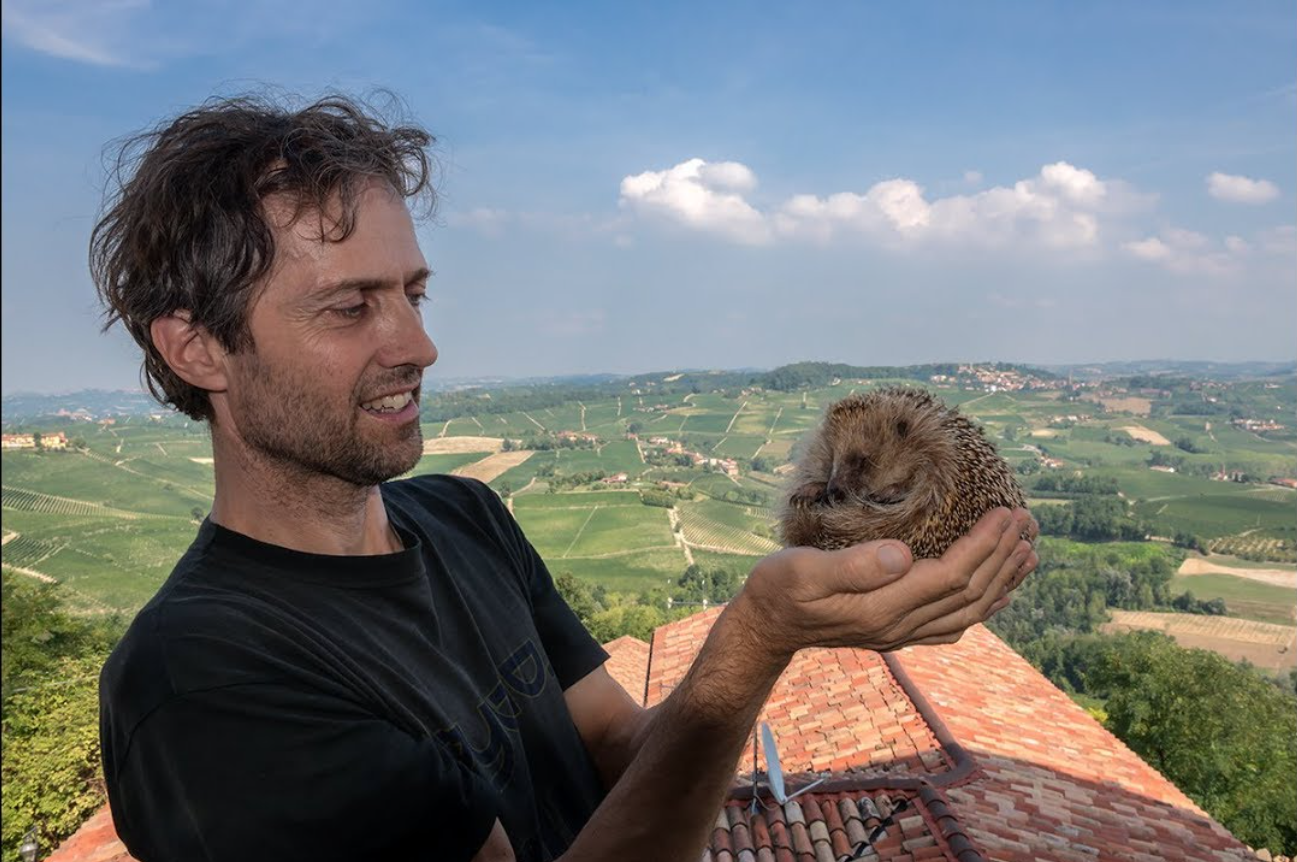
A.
x: 1005, y: 522
x: 891, y: 559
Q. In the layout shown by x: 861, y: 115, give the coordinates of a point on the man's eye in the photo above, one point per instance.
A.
x: 352, y: 312
x: 417, y: 299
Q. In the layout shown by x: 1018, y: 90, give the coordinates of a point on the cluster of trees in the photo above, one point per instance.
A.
x: 1220, y: 732
x: 1074, y: 585
x: 546, y: 442
x: 608, y: 616
x: 745, y: 496
x: 51, y: 771
x: 444, y: 406
x: 1091, y: 518
x: 662, y: 499
x: 1188, y: 444
x: 561, y: 482
x: 1056, y: 485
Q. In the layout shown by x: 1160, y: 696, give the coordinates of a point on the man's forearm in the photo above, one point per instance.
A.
x: 667, y: 799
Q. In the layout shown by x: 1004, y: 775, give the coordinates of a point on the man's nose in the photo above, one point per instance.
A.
x: 405, y: 341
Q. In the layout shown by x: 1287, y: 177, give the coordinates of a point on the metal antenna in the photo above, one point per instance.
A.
x: 775, y: 773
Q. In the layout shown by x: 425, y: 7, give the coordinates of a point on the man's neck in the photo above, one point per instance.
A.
x: 305, y: 512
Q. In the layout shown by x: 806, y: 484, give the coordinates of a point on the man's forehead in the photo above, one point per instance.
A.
x: 313, y: 262
x: 297, y: 213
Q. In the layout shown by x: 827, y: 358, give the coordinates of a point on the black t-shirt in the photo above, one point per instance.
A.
x: 278, y: 705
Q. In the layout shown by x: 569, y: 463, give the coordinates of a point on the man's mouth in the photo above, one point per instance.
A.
x: 389, y: 403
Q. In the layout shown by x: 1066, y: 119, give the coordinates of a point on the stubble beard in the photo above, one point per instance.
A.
x: 287, y: 421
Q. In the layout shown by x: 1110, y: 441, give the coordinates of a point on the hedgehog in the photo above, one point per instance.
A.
x: 894, y: 463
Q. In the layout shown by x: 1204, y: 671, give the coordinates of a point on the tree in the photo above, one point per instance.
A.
x: 51, y: 664
x: 1221, y: 733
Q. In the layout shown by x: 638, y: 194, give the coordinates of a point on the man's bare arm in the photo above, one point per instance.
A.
x: 667, y: 799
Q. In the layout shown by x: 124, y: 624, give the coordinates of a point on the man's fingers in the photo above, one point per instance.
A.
x: 991, y: 568
x: 967, y: 589
x: 970, y: 551
x: 864, y: 568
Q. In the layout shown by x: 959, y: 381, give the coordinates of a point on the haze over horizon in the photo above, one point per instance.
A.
x: 628, y: 190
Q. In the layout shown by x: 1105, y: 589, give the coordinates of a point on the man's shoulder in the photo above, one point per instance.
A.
x: 201, y: 629
x: 436, y: 492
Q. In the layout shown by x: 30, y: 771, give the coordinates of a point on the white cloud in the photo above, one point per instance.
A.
x: 1241, y: 190
x: 485, y: 219
x: 1237, y: 245
x: 1076, y: 184
x: 139, y: 34
x: 80, y: 30
x: 973, y: 178
x: 1059, y: 208
x: 1190, y: 253
x: 701, y: 195
x: 1151, y: 248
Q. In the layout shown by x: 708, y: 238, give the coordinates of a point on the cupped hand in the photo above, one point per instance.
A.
x: 875, y: 596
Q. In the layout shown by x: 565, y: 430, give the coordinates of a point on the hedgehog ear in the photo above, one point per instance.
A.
x: 902, y: 428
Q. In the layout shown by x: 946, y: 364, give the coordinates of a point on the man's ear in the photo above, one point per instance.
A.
x: 190, y: 350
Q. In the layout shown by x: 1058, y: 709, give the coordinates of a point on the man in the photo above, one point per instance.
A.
x: 340, y: 668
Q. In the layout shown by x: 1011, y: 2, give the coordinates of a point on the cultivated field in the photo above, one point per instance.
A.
x: 493, y: 465
x: 109, y: 521
x: 454, y: 445
x: 1147, y: 435
x: 1263, y: 644
x: 1276, y: 576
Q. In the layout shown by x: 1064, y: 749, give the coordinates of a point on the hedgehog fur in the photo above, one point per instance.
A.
x: 894, y: 463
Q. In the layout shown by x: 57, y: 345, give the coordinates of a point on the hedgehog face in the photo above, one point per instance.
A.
x: 879, y: 451
x: 868, y: 469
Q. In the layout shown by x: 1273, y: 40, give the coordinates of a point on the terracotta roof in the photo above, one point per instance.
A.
x: 95, y: 841
x: 628, y: 664
x: 1052, y: 783
x: 995, y: 760
x: 821, y: 827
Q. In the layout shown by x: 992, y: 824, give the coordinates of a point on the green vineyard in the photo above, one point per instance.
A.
x: 47, y: 504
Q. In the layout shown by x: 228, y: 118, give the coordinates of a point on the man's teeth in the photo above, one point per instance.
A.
x: 389, y: 403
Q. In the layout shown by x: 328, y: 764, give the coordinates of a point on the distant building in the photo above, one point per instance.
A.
x: 19, y: 441
x: 28, y: 441
x: 1162, y: 468
x: 615, y: 479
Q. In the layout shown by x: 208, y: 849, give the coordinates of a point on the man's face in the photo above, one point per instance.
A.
x: 332, y: 385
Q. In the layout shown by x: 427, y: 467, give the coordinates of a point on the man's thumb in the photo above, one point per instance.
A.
x: 893, y: 558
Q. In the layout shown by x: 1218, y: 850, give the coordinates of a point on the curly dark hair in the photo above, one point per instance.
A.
x: 184, y: 228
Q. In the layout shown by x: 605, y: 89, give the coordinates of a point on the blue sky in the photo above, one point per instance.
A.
x: 634, y: 187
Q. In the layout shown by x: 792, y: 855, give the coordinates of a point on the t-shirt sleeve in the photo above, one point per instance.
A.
x: 572, y: 652
x: 279, y: 773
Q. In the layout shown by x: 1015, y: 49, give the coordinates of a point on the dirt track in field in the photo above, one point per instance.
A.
x: 1277, y: 577
x: 457, y: 445
x: 1147, y: 435
x: 492, y: 465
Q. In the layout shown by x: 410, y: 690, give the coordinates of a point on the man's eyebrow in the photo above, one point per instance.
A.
x: 348, y: 285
